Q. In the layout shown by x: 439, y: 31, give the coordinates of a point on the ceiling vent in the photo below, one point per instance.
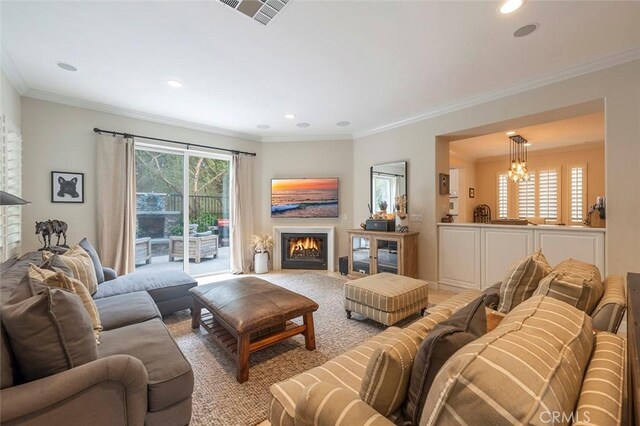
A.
x: 262, y: 11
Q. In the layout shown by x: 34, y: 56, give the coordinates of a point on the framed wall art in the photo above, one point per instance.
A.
x: 67, y: 187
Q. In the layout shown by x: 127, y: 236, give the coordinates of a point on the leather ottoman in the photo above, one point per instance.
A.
x: 247, y: 314
x: 385, y: 298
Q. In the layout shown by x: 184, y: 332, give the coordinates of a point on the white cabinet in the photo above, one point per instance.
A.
x: 454, y: 182
x: 500, y: 248
x: 459, y: 256
x: 478, y: 255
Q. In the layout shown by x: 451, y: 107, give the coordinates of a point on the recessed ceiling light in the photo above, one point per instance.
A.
x: 289, y: 116
x: 527, y: 144
x: 511, y: 133
x: 67, y: 67
x: 525, y: 30
x: 175, y: 83
x: 303, y: 124
x: 263, y: 126
x: 342, y: 123
x: 510, y: 6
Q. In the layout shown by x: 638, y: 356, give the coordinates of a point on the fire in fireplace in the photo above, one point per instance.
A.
x: 304, y: 251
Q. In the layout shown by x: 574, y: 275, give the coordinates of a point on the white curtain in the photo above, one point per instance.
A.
x: 116, y: 202
x: 241, y: 213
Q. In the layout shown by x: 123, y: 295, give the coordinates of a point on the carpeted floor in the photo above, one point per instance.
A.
x: 218, y: 399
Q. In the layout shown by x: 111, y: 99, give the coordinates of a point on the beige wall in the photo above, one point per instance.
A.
x: 466, y: 180
x: 60, y: 137
x: 309, y: 159
x: 620, y: 88
x: 564, y: 158
x: 11, y: 101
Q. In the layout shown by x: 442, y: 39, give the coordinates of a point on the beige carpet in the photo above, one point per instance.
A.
x: 218, y: 399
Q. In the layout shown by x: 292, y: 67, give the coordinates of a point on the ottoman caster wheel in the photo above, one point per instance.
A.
x: 348, y: 314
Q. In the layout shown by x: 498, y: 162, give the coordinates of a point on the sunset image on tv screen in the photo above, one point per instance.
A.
x: 304, y: 197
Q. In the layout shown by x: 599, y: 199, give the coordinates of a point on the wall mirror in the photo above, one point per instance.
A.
x: 388, y: 181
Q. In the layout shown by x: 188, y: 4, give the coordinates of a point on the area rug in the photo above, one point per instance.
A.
x: 218, y: 399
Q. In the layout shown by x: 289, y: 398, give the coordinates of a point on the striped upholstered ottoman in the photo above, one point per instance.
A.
x: 386, y: 298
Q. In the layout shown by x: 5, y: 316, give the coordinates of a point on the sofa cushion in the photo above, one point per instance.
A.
x: 610, y: 310
x: 49, y: 333
x: 447, y: 337
x: 126, y: 309
x: 170, y: 374
x: 61, y: 280
x: 386, y: 380
x: 165, y: 285
x: 531, y: 364
x: 93, y: 254
x: 521, y: 280
x: 603, y: 387
x: 10, y: 278
x: 588, y: 276
x: 80, y: 264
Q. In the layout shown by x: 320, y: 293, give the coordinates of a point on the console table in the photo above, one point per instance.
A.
x: 373, y: 252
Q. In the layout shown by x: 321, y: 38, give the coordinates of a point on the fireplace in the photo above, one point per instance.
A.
x: 151, y: 226
x: 304, y: 251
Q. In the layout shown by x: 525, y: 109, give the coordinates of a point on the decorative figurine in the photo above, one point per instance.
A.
x: 50, y: 227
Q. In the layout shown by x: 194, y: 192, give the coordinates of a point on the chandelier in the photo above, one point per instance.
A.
x: 518, y: 171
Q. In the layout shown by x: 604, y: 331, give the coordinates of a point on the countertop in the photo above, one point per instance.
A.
x: 570, y: 228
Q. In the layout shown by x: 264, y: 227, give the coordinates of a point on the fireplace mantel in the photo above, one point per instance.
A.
x: 279, y: 230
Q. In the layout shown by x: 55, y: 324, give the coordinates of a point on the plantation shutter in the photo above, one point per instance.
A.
x: 11, y: 182
x: 548, y: 194
x: 503, y: 198
x: 527, y: 197
x: 577, y: 194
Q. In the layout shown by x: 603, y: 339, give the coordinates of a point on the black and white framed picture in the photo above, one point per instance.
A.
x: 67, y: 187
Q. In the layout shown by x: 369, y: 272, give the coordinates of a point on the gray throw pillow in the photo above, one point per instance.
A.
x: 93, y: 254
x: 49, y: 333
x: 463, y: 327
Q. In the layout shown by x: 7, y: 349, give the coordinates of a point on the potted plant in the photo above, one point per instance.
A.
x: 261, y: 246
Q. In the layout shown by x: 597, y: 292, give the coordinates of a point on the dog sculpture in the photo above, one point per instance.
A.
x: 52, y: 227
x: 68, y: 187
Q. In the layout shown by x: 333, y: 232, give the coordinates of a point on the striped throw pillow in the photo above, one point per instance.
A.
x: 531, y: 365
x: 521, y: 280
x: 80, y: 264
x: 60, y: 280
x: 560, y: 287
x: 589, y: 277
x: 388, y: 373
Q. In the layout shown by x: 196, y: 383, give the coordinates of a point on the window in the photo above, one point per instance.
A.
x: 503, y: 196
x: 577, y: 194
x: 548, y: 194
x: 527, y: 197
x: 384, y: 190
x: 11, y: 182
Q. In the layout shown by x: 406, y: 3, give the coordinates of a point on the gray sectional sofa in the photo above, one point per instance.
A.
x: 140, y: 376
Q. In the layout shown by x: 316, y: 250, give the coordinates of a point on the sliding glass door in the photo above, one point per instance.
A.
x: 182, y: 210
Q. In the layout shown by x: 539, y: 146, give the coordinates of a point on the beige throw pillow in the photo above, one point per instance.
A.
x: 80, y: 264
x: 386, y: 381
x: 521, y: 280
x: 560, y: 287
x: 532, y: 364
x: 60, y: 280
x: 588, y: 276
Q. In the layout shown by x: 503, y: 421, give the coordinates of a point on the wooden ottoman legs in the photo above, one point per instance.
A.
x: 242, y: 361
x: 309, y: 332
x: 196, y: 313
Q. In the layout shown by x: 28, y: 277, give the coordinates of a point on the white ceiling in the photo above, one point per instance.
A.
x: 586, y: 129
x: 368, y: 62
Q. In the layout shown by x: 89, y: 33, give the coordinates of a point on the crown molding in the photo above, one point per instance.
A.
x: 126, y: 112
x: 565, y: 74
x: 11, y: 71
x: 311, y: 138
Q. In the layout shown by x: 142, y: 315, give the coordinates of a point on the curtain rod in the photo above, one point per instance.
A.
x: 187, y: 144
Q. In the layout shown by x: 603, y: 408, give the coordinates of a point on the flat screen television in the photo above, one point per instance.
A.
x: 304, y: 198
